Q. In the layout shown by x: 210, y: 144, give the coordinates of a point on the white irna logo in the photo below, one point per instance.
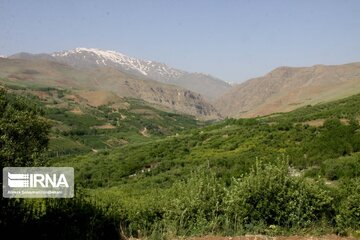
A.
x: 38, y: 182
x: 17, y: 180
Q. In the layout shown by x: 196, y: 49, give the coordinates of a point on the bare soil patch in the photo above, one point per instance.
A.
x: 315, y: 123
x: 106, y: 126
x: 77, y: 111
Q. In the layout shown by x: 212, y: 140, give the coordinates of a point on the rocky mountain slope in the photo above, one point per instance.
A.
x: 287, y: 88
x: 42, y: 72
x: 208, y: 86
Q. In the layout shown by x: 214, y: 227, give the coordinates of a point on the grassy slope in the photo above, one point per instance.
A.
x: 133, y: 176
x: 139, y: 179
x: 230, y: 148
x: 79, y: 126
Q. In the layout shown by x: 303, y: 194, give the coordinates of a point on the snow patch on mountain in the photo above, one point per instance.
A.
x: 231, y: 83
x: 210, y: 87
x: 113, y: 58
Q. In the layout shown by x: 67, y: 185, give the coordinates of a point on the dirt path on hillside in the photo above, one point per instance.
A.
x: 144, y: 132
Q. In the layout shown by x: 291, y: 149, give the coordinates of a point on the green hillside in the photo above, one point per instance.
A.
x: 80, y: 127
x: 162, y: 175
x: 140, y: 179
x: 231, y: 147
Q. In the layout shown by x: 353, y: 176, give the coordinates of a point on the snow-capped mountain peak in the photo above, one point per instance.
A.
x: 94, y: 56
x: 207, y: 85
x: 101, y: 53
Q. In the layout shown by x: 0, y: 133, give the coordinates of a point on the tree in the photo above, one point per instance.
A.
x: 23, y: 131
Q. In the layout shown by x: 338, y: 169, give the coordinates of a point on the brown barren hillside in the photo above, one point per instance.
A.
x: 287, y: 88
x: 45, y: 73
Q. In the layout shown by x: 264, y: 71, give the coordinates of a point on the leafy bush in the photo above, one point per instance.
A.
x: 344, y: 167
x: 194, y: 206
x: 269, y: 196
x: 23, y: 132
x: 348, y: 217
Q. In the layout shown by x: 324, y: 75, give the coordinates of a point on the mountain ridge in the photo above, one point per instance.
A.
x: 282, y: 89
x: 47, y: 73
x: 205, y: 84
x: 286, y: 88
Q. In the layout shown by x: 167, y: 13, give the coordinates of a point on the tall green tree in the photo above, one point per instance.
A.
x: 23, y: 132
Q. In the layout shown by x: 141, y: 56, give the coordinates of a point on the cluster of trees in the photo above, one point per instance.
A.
x: 231, y: 148
x: 267, y: 200
x: 233, y: 194
x: 23, y: 139
x: 24, y: 133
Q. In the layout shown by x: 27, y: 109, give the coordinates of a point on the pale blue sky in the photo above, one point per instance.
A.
x: 232, y: 40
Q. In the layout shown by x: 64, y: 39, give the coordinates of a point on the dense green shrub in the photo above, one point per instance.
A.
x: 348, y: 217
x: 344, y: 167
x: 269, y: 196
x: 23, y: 132
x: 266, y: 198
x: 195, y: 206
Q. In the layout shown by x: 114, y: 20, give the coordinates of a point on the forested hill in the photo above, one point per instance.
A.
x: 309, y: 137
x: 289, y: 173
x: 307, y: 159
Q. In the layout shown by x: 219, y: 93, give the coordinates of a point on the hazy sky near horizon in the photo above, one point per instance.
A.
x: 231, y: 39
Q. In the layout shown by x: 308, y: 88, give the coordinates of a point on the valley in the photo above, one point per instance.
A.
x: 84, y: 121
x: 180, y: 120
x: 161, y: 161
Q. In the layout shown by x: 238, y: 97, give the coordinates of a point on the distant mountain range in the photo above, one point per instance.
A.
x: 209, y: 87
x: 41, y: 72
x: 287, y: 88
x: 201, y: 95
